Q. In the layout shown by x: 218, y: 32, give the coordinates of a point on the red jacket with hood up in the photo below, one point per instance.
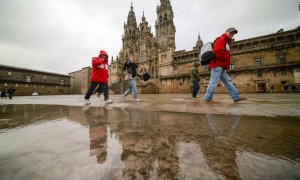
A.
x: 100, y: 68
x: 222, y: 52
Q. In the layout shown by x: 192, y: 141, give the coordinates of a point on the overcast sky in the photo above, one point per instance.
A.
x: 63, y: 35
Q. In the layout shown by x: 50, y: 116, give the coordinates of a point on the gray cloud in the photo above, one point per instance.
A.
x: 62, y: 36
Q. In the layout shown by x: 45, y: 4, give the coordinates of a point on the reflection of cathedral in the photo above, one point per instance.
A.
x: 257, y: 64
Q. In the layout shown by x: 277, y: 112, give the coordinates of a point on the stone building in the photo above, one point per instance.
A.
x: 80, y: 80
x: 28, y: 81
x: 256, y: 63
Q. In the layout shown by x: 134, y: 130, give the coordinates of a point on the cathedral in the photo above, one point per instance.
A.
x: 257, y: 64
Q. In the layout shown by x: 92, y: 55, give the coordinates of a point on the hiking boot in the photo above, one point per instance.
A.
x: 240, y: 99
x: 108, y: 101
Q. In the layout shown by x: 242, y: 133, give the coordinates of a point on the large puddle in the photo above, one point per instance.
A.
x: 62, y: 142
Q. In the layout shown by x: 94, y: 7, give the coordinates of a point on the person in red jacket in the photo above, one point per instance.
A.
x: 219, y: 65
x: 99, y: 76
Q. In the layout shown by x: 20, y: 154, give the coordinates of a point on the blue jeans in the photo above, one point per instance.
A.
x: 217, y: 74
x: 132, y: 88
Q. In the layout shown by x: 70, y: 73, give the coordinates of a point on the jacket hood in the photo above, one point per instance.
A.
x: 102, y: 52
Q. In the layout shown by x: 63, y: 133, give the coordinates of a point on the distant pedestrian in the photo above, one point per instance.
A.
x: 3, y: 93
x: 294, y: 88
x: 10, y: 92
x: 131, y: 68
x: 195, y: 77
x: 272, y: 89
x: 99, y: 76
x: 219, y: 65
x: 286, y: 88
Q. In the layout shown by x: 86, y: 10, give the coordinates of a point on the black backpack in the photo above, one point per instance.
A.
x: 206, y: 54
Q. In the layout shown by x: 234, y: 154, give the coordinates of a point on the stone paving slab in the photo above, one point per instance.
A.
x: 257, y: 105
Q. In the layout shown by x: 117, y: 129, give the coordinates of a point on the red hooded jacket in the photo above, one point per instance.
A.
x: 222, y: 52
x: 100, y: 68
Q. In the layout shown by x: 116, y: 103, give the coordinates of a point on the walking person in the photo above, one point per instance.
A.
x: 219, y: 65
x: 11, y: 92
x: 99, y: 76
x: 195, y: 77
x: 272, y: 89
x: 3, y: 93
x: 130, y: 66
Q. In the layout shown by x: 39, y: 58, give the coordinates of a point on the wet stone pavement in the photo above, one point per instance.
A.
x: 163, y: 137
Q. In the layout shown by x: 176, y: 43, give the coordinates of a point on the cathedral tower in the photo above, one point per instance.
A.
x: 130, y: 35
x: 165, y: 37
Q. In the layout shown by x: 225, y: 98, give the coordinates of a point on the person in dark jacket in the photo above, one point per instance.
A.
x: 99, y: 76
x: 130, y: 66
x: 10, y: 92
x: 3, y: 94
x: 195, y: 77
x: 219, y: 66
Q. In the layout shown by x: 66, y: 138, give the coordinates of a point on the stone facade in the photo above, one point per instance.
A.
x: 256, y: 63
x: 27, y: 81
x: 80, y: 80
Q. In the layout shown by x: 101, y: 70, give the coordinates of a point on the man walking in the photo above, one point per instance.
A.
x: 195, y: 80
x: 130, y: 67
x: 219, y: 65
x: 99, y: 76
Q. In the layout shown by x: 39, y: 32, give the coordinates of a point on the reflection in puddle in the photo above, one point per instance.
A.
x: 61, y: 142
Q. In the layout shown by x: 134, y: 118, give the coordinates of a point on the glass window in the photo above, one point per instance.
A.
x: 281, y: 59
x: 258, y: 61
x: 28, y: 78
x: 259, y: 74
x: 9, y: 73
x: 231, y: 65
x: 283, y: 71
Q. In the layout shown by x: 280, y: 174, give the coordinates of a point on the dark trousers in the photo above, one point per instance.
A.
x: 195, y: 88
x: 93, y: 86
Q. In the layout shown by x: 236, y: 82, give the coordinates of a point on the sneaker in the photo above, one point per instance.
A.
x: 240, y: 99
x: 87, y: 102
x: 138, y: 100
x: 108, y: 101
